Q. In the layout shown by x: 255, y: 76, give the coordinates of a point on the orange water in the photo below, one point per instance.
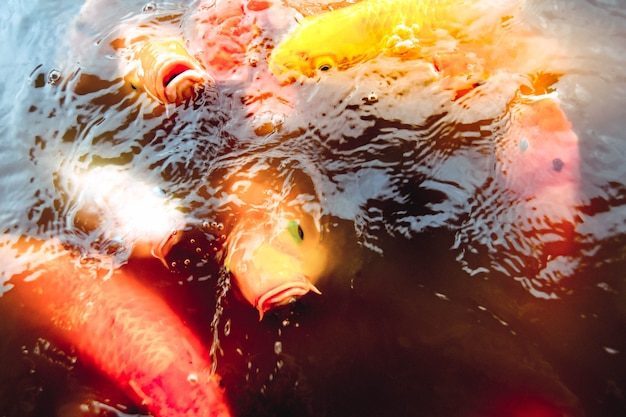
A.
x: 450, y: 292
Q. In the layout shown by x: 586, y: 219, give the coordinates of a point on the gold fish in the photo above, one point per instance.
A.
x: 344, y: 37
x: 274, y: 261
x: 164, y: 69
x: 274, y: 251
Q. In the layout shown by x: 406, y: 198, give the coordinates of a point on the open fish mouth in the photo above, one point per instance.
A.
x: 282, y: 295
x: 161, y: 250
x: 180, y: 80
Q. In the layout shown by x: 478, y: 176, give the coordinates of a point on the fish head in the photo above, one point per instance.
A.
x: 164, y: 70
x: 289, y: 61
x: 319, y: 44
x: 275, y: 258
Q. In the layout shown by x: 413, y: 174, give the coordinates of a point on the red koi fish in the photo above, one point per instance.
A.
x: 121, y: 328
x: 231, y: 39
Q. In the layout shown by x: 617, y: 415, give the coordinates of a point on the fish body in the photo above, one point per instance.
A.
x: 539, y: 156
x: 229, y: 38
x: 121, y: 328
x: 165, y: 70
x: 344, y: 37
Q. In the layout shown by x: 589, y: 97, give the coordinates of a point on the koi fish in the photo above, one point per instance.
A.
x: 274, y: 251
x: 539, y: 156
x: 120, y: 327
x: 165, y: 70
x: 273, y: 256
x: 274, y: 261
x: 344, y: 37
x: 229, y: 38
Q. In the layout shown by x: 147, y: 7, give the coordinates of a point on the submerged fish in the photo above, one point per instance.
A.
x: 344, y: 37
x: 123, y: 329
x: 539, y: 157
x: 164, y: 69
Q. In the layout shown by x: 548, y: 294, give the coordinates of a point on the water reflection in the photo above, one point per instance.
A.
x: 453, y: 288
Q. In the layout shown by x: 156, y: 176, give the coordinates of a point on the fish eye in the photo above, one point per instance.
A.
x: 324, y: 63
x: 295, y: 230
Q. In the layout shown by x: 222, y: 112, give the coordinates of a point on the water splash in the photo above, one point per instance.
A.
x: 215, y: 350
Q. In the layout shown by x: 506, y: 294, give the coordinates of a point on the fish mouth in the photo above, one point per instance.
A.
x: 283, y: 295
x: 161, y: 250
x: 180, y: 81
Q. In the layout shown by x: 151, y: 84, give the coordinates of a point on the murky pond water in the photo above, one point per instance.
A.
x: 476, y: 263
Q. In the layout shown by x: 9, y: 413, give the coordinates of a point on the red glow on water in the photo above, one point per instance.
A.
x: 524, y: 406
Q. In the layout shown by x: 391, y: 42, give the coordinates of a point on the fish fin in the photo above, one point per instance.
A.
x: 145, y: 399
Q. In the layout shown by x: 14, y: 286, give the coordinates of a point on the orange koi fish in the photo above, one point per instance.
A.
x: 275, y: 250
x: 165, y: 70
x: 120, y: 327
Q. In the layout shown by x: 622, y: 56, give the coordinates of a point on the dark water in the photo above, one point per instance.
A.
x: 448, y: 293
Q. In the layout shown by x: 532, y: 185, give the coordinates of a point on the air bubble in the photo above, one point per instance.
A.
x: 253, y: 60
x: 54, y: 76
x: 149, y: 7
x: 371, y: 98
x: 278, y: 347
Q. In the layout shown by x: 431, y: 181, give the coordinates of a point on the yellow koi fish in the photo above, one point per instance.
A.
x: 344, y: 37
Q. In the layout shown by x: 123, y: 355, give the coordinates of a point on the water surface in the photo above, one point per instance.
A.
x: 450, y: 292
